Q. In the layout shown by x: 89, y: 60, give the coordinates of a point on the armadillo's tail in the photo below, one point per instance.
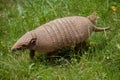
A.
x: 98, y: 29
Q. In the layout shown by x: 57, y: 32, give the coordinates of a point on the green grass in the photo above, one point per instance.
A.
x: 100, y: 62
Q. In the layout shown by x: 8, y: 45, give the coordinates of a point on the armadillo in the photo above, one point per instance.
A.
x: 57, y: 34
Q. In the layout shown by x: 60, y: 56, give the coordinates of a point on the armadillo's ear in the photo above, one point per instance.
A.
x: 33, y: 41
x: 93, y: 17
x: 94, y: 13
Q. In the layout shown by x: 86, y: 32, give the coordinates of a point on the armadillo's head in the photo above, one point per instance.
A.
x: 27, y: 41
x: 93, y: 17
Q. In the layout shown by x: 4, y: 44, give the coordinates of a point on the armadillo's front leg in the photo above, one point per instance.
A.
x: 32, y: 54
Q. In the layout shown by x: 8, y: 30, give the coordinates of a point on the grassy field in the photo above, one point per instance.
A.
x: 100, y: 62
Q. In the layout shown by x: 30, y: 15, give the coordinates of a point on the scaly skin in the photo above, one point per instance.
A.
x: 57, y: 34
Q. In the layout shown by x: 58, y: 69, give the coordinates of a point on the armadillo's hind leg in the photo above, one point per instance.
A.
x: 32, y: 54
x: 81, y: 47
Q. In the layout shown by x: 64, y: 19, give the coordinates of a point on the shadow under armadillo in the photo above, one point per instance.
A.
x: 65, y: 54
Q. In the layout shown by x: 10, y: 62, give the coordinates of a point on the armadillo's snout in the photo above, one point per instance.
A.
x: 13, y: 49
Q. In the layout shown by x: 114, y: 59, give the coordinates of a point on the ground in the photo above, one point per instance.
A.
x: 101, y: 61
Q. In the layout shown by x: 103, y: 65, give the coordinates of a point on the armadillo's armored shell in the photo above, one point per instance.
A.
x: 62, y: 32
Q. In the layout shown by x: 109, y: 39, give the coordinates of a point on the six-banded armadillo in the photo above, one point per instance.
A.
x: 57, y: 34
